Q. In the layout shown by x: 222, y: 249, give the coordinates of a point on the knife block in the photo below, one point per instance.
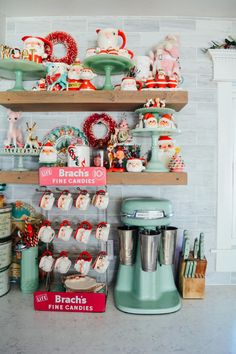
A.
x: 192, y: 288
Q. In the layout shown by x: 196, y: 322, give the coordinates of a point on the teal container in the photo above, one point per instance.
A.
x: 29, y: 270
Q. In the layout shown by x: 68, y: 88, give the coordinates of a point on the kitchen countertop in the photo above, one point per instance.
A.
x: 201, y: 326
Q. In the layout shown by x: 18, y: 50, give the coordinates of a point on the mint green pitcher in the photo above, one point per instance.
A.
x: 29, y: 270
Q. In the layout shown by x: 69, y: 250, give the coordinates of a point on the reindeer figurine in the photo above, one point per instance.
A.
x: 31, y: 142
x: 14, y: 134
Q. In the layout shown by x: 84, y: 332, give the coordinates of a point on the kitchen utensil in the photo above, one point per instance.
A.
x: 127, y: 241
x: 148, y: 248
x: 195, y: 248
x: 186, y: 248
x: 194, y: 269
x: 167, y: 246
x: 201, y: 246
x: 186, y: 271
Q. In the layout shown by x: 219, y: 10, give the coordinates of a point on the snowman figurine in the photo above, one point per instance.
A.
x: 166, y: 150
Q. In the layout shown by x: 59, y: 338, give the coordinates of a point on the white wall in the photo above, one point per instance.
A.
x: 194, y: 204
x: 2, y: 28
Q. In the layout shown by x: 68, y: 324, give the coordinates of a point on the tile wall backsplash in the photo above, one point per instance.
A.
x: 194, y: 204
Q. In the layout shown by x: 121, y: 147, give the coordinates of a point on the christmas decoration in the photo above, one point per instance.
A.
x: 65, y: 231
x: 229, y: 43
x: 83, y: 263
x: 88, y: 129
x: 167, y: 121
x: 150, y: 120
x: 70, y: 46
x: 166, y: 150
x: 46, y: 233
x: 176, y: 163
x: 63, y: 263
x: 86, y: 75
x: 38, y: 48
x: 101, y: 262
x: 31, y: 142
x: 56, y: 77
x: 102, y: 231
x: 74, y: 80
x: 124, y: 135
x: 83, y: 232
x: 46, y: 262
x: 48, y: 155
x: 101, y: 199
x: 14, y: 134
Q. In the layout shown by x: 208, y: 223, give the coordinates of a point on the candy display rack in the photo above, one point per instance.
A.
x: 107, y: 64
x: 20, y: 70
x: 46, y: 299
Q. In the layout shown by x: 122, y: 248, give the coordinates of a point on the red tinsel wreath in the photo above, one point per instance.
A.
x: 70, y: 45
x: 94, y: 119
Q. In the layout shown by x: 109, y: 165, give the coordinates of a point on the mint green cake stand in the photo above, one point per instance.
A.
x: 107, y: 64
x: 159, y: 111
x: 154, y: 165
x: 142, y: 292
x: 21, y: 70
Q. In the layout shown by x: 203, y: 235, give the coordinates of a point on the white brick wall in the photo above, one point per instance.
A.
x: 195, y: 204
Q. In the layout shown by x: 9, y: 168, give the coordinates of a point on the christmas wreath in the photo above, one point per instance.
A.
x: 69, y: 43
x: 88, y: 129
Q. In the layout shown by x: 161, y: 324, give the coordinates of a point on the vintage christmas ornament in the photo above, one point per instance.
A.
x: 166, y: 121
x: 38, y: 48
x: 166, y: 150
x: 150, y: 121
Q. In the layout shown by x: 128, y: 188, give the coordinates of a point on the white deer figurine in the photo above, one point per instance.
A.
x: 14, y: 134
x: 31, y: 142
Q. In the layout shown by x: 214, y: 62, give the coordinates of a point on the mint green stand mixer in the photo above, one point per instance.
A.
x: 145, y: 282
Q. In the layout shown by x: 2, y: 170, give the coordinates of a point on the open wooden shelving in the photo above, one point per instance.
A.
x: 113, y: 178
x: 68, y: 101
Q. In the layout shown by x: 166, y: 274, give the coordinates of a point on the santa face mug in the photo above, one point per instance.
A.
x: 82, y: 200
x: 83, y: 263
x: 130, y: 84
x: 101, y: 262
x: 102, y: 231
x: 65, y: 201
x: 47, y: 200
x: 63, y: 263
x: 100, y: 199
x: 83, y: 232
x: 135, y: 165
x: 46, y: 233
x: 65, y: 231
x: 46, y: 262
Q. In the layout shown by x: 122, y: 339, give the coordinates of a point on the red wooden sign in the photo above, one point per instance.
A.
x: 69, y: 302
x: 72, y: 176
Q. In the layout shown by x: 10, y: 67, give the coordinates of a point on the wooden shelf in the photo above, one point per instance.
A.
x: 68, y: 101
x: 113, y: 178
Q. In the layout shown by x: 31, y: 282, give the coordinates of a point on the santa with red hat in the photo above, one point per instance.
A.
x: 48, y: 154
x: 167, y: 121
x: 150, y: 121
x: 166, y: 149
x: 38, y: 48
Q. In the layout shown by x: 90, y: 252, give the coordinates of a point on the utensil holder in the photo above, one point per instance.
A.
x: 192, y: 288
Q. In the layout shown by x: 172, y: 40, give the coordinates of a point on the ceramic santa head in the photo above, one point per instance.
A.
x: 166, y: 149
x: 65, y: 201
x: 167, y: 121
x: 74, y: 81
x: 65, y: 231
x: 48, y: 154
x: 82, y: 200
x: 47, y: 200
x: 101, y: 199
x: 83, y: 232
x: 150, y: 121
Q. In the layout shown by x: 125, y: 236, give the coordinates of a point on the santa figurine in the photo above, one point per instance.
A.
x: 166, y: 150
x: 150, y: 121
x: 74, y: 80
x: 38, y: 48
x: 48, y: 155
x: 86, y: 75
x: 167, y: 121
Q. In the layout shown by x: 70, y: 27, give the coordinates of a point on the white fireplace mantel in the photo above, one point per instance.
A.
x: 224, y: 72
